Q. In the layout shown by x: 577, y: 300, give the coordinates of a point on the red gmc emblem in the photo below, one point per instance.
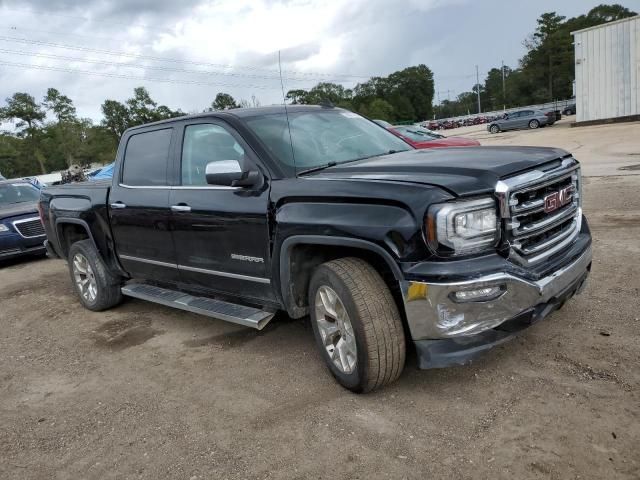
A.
x: 558, y: 199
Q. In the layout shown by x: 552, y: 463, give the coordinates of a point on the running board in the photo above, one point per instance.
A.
x: 230, y: 312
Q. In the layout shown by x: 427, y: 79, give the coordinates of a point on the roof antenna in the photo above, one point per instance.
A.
x: 286, y: 112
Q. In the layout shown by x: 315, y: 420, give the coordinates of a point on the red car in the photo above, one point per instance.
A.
x: 419, y: 137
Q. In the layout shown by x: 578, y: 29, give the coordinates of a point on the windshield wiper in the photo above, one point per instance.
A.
x: 388, y: 152
x: 318, y: 168
x: 333, y: 164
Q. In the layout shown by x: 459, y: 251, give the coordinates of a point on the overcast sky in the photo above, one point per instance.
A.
x: 186, y: 51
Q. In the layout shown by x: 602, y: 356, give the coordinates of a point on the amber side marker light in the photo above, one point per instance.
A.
x: 431, y: 235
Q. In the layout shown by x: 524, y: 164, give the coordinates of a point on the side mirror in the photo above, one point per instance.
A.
x: 229, y: 173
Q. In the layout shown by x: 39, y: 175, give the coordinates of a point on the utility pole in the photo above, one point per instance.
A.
x: 478, y: 88
x: 504, y: 90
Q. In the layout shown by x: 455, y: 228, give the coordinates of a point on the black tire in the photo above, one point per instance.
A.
x: 374, y: 316
x: 108, y: 285
x: 494, y: 129
x: 533, y: 124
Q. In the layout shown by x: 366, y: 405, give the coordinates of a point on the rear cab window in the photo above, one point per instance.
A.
x: 146, y: 157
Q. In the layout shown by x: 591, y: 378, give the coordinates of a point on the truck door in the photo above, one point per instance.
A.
x: 221, y: 233
x: 139, y: 205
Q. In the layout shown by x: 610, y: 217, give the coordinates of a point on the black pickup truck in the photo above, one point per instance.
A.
x: 318, y: 211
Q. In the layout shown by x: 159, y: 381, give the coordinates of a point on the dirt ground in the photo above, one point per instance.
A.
x: 143, y: 391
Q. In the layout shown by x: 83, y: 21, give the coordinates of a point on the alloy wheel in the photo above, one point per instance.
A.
x: 336, y: 329
x: 84, y: 278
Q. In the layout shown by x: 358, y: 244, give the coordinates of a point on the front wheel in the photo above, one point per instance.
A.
x: 356, y: 324
x: 494, y: 129
x: 534, y: 124
x: 96, y: 287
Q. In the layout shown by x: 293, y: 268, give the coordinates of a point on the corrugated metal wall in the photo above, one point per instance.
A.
x: 608, y: 70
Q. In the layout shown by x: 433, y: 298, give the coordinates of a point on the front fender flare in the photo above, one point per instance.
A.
x: 284, y: 270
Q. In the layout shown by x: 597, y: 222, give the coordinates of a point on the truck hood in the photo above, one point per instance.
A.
x: 17, y: 209
x: 463, y: 171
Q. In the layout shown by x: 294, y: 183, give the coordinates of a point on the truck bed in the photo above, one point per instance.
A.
x: 80, y: 189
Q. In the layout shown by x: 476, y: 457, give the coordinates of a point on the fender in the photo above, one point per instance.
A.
x: 76, y: 221
x: 110, y: 262
x: 284, y: 272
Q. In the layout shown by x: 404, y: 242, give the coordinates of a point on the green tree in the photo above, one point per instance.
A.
x: 297, y: 97
x: 61, y: 105
x: 417, y: 86
x: 66, y: 131
x: 494, y: 97
x: 380, y: 109
x: 141, y: 107
x: 409, y: 92
x: 402, y: 108
x: 10, y: 149
x: 22, y: 107
x: 137, y: 110
x: 608, y: 13
x: 116, y: 118
x: 224, y: 101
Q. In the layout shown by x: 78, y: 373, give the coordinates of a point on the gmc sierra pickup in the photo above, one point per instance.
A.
x: 318, y: 211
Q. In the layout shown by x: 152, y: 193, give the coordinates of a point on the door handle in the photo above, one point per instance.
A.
x: 180, y: 208
x: 118, y: 205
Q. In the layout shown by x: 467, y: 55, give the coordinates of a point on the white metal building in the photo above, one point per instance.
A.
x: 608, y: 70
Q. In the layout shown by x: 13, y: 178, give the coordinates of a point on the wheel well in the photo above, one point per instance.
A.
x: 70, y: 233
x: 305, y: 258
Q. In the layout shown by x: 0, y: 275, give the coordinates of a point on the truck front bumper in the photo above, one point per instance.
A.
x: 452, y: 328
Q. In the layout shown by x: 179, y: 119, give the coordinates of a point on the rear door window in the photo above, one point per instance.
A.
x: 146, y: 157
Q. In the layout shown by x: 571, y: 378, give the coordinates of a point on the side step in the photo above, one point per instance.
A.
x: 230, y: 312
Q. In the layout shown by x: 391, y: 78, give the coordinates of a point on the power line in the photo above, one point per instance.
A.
x: 17, y: 29
x: 131, y: 77
x: 87, y: 19
x: 149, y: 67
x: 170, y: 60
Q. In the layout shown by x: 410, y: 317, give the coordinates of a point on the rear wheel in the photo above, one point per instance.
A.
x: 97, y: 288
x: 356, y: 324
x: 534, y: 124
x: 494, y: 129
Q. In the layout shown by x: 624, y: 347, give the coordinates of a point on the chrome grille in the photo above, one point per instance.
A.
x: 536, y: 228
x: 29, y: 227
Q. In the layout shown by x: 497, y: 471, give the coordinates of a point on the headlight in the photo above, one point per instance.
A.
x: 3, y: 228
x: 464, y: 227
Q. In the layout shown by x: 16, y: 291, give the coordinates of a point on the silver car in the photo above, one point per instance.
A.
x: 518, y: 120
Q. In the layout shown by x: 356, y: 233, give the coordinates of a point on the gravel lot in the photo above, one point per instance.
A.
x: 143, y: 391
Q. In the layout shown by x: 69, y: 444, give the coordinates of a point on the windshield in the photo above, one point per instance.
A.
x: 18, y: 193
x: 321, y: 137
x: 417, y: 134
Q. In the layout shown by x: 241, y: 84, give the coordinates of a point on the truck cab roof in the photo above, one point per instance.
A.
x: 240, y: 113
